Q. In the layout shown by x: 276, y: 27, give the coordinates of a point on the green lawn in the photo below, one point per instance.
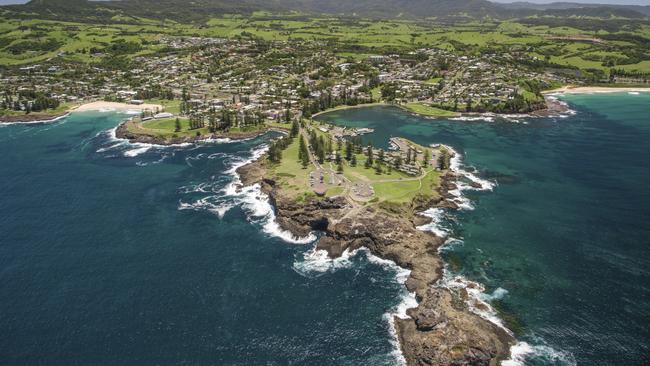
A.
x: 404, y: 192
x: 289, y: 172
x: 165, y: 127
x: 171, y: 106
x: 427, y: 110
x: 361, y: 173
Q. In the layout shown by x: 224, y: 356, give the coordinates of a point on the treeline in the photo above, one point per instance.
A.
x: 48, y: 45
x: 155, y: 92
x: 629, y: 74
x: 320, y: 146
x: 275, y: 149
x: 29, y: 101
x: 326, y: 101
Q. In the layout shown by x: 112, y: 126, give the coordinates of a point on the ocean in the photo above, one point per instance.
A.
x: 113, y: 253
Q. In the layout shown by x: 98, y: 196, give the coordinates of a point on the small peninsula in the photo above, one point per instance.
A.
x: 322, y: 177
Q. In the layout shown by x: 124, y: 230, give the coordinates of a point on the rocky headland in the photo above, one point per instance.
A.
x: 441, y: 330
x: 123, y: 132
x: 33, y: 118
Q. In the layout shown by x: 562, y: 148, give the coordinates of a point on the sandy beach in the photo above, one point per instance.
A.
x: 595, y: 89
x: 101, y: 105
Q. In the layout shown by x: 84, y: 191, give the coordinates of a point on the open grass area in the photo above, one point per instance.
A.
x: 289, y: 173
x: 426, y: 110
x: 166, y: 128
x: 170, y: 106
x: 361, y: 173
x: 405, y: 191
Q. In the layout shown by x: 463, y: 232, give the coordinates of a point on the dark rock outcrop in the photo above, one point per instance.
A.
x: 440, y: 330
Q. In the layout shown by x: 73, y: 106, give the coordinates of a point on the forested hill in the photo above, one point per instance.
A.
x: 198, y: 10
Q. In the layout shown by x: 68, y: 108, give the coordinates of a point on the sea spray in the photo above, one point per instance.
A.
x: 408, y: 302
x: 522, y: 352
x: 257, y: 203
x: 316, y: 262
x: 437, y: 215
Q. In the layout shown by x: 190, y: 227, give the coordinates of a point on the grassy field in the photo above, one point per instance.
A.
x: 361, y: 173
x: 427, y: 110
x: 170, y: 106
x: 359, y: 38
x: 165, y: 127
x: 405, y: 191
x: 289, y: 173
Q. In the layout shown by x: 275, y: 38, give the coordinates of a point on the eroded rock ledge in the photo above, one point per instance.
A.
x: 441, y: 330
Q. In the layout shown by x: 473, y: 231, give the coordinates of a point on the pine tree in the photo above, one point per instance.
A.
x: 177, y: 125
x: 348, y: 150
x: 295, y: 129
x: 371, y: 160
x: 378, y: 169
x: 426, y: 158
x: 304, y: 153
x: 301, y: 147
x: 353, y: 161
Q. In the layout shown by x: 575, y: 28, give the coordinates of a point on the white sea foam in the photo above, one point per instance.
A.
x: 137, y: 151
x: 522, y: 352
x: 43, y: 121
x: 634, y: 93
x: 435, y: 226
x: 204, y: 204
x: 476, y: 299
x: 484, y: 117
x: 315, y: 262
x: 466, y: 175
x: 256, y: 202
x: 408, y: 301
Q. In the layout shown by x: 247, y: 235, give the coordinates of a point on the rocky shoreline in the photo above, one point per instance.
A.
x: 122, y: 132
x: 33, y: 118
x: 441, y: 330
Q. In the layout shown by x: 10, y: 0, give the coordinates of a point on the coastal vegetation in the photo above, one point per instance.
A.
x: 325, y: 165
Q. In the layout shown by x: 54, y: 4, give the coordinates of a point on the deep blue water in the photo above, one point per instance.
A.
x: 99, y: 266
x: 117, y: 254
x: 567, y: 230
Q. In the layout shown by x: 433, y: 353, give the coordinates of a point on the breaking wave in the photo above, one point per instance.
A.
x: 250, y: 198
x: 522, y: 352
x: 317, y: 262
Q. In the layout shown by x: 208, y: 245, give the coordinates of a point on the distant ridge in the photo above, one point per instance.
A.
x: 642, y: 9
x: 198, y: 10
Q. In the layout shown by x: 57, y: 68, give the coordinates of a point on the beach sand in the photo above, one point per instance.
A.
x: 101, y: 105
x: 595, y: 89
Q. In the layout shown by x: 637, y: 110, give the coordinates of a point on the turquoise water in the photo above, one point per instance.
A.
x: 565, y: 232
x: 118, y: 254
